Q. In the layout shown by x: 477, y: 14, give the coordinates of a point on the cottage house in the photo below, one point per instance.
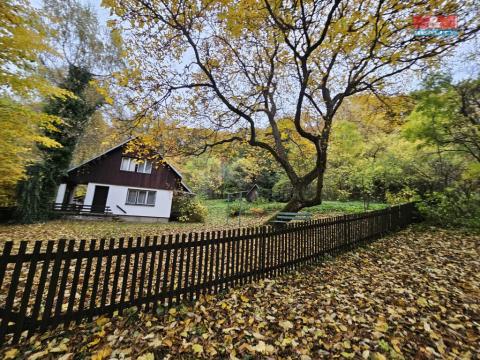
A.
x: 124, y: 185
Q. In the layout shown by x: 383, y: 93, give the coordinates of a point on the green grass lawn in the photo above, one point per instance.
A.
x: 347, y: 207
x: 252, y: 215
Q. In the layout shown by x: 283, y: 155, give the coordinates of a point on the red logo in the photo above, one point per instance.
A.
x: 442, y: 22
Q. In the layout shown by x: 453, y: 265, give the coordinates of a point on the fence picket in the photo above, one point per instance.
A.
x: 180, y: 267
x: 26, y: 292
x: 211, y: 262
x: 12, y: 289
x: 106, y: 276
x: 141, y: 295
x: 174, y: 270
x: 64, y: 279
x: 194, y: 267
x: 200, y: 266
x: 228, y: 272
x: 217, y: 262
x: 75, y: 281
x: 151, y: 272
x: 133, y: 284
x: 116, y: 276
x: 188, y: 249
x: 96, y: 280
x: 125, y: 275
x: 159, y: 272
x: 41, y: 287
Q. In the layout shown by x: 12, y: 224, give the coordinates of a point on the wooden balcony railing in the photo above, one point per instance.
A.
x: 79, y: 209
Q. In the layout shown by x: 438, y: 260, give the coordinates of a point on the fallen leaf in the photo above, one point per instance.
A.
x: 147, y: 356
x: 197, y: 348
x: 285, y: 325
x: 102, y: 321
x: 381, y: 326
x: 59, y: 349
x: 102, y: 354
x: 422, y: 301
x: 38, y: 355
x: 264, y: 348
x: 378, y: 356
x: 94, y: 342
x: 10, y: 354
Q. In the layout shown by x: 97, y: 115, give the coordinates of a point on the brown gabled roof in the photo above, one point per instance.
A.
x: 120, y: 145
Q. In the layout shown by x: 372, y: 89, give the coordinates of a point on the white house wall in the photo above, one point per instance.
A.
x: 117, y: 195
x: 61, y: 193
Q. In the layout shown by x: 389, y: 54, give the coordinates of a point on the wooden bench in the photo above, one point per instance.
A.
x: 286, y: 217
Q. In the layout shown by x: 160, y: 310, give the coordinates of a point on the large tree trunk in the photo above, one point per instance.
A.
x: 299, y: 199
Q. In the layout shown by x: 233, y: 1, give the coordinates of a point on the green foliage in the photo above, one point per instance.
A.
x: 204, y: 175
x: 452, y: 208
x: 282, y: 190
x: 444, y: 130
x: 37, y: 192
x: 237, y: 208
x: 188, y: 209
x: 403, y: 196
x: 257, y: 208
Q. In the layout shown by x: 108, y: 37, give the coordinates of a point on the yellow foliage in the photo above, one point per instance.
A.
x: 22, y: 38
x: 21, y: 129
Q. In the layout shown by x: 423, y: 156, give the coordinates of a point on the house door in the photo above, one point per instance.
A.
x: 99, y: 199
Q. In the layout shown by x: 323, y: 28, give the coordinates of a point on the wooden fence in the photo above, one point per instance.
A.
x: 44, y: 284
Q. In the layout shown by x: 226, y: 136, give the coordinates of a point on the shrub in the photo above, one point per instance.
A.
x: 188, y: 209
x: 282, y: 190
x: 451, y: 208
x: 404, y: 196
x: 237, y: 208
x: 343, y: 195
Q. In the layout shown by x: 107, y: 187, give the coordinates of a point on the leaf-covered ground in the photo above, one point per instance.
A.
x: 415, y: 294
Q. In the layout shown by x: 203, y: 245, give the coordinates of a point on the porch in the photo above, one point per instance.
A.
x: 68, y: 204
x: 81, y: 209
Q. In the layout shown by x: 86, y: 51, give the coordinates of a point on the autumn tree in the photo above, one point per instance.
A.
x: 245, y: 65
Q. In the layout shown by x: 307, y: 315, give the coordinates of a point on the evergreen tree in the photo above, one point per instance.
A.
x: 35, y: 195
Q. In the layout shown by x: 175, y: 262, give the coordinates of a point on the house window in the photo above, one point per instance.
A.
x: 141, y: 197
x: 128, y: 164
x: 134, y: 165
x: 144, y: 167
